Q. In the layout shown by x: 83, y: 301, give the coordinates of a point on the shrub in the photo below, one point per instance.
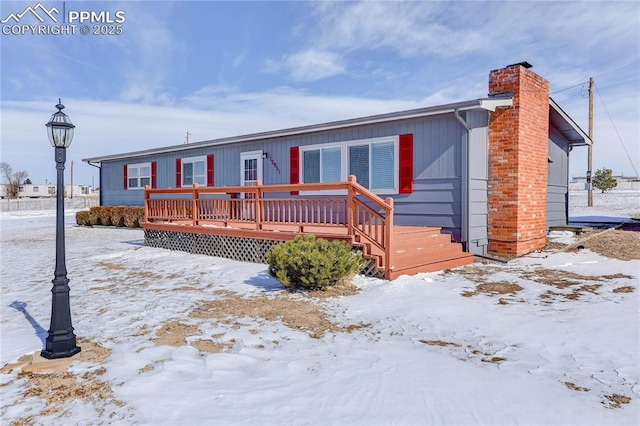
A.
x: 117, y: 216
x: 105, y: 215
x: 133, y: 217
x: 311, y: 264
x: 82, y: 218
x: 94, y: 215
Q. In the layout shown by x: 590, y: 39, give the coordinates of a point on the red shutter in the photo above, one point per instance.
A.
x: 405, y: 178
x: 154, y: 179
x: 210, y: 170
x: 126, y: 181
x: 178, y: 173
x: 294, y: 166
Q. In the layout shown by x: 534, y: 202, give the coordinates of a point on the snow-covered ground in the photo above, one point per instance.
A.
x: 610, y: 206
x: 439, y: 348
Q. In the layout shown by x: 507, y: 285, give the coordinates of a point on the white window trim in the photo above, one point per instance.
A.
x: 344, y: 150
x: 137, y: 166
x: 202, y: 158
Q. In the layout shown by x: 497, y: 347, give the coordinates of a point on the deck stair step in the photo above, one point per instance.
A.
x: 417, y: 249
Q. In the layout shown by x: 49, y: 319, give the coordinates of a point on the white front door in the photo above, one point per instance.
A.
x: 251, y: 173
x: 250, y: 168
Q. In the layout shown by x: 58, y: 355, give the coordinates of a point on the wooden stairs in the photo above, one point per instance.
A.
x: 416, y: 249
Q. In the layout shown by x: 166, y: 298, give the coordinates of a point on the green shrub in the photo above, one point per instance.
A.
x: 312, y: 264
x: 94, y: 216
x: 82, y: 218
x: 117, y: 216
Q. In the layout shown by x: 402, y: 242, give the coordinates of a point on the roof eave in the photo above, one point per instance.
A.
x: 569, y: 129
x: 488, y: 104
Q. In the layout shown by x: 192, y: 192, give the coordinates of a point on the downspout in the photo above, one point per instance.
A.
x: 465, y: 210
x: 99, y: 179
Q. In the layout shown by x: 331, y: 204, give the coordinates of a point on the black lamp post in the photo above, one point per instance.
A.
x: 61, y: 342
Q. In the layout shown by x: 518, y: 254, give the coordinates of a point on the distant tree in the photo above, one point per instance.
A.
x: 604, y: 180
x: 12, y: 179
x: 27, y: 182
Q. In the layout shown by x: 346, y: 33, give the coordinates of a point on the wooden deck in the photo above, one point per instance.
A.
x: 348, y: 212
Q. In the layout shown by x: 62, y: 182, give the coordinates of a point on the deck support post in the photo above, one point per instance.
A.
x: 147, y: 197
x: 350, y: 219
x: 195, y: 205
x: 388, y: 238
x: 258, y: 205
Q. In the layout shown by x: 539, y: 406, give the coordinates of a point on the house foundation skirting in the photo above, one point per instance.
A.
x: 236, y: 248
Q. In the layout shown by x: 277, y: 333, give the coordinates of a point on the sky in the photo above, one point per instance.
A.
x: 214, y: 69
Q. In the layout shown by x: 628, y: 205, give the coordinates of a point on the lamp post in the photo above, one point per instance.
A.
x: 61, y: 342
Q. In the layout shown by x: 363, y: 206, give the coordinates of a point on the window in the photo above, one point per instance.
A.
x: 36, y: 189
x: 194, y: 171
x: 374, y: 162
x: 52, y: 190
x: 21, y: 189
x: 138, y: 175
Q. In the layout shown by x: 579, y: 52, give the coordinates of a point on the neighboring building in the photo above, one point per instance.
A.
x: 48, y: 190
x: 620, y: 178
x: 491, y: 171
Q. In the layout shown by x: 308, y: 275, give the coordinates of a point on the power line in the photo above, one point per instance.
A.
x: 571, y: 87
x: 616, y: 129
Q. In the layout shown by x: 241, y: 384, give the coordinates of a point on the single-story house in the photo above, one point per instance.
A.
x: 492, y: 171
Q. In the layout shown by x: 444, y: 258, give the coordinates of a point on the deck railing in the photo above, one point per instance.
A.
x: 363, y: 214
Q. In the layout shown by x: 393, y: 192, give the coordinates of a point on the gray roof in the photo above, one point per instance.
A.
x: 488, y: 104
x: 557, y: 117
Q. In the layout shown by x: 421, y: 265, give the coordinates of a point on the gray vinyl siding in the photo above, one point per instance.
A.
x: 558, y: 180
x: 437, y: 144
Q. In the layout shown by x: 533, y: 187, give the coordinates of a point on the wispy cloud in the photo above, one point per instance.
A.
x: 311, y: 65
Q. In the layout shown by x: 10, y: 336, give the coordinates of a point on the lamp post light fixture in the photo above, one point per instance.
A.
x: 61, y: 342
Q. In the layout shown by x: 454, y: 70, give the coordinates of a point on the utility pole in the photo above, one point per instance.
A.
x: 187, y: 138
x: 590, y: 148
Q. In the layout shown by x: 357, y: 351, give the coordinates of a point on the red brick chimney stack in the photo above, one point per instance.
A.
x: 518, y: 156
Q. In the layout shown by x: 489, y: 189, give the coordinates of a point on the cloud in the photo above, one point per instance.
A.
x: 452, y: 29
x: 308, y: 65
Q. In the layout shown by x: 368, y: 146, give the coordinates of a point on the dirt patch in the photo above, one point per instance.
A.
x: 615, y: 400
x: 174, y: 333
x: 494, y: 289
x: 342, y: 289
x: 565, y: 279
x: 577, y: 284
x: 110, y: 266
x: 439, y: 343
x: 575, y: 387
x: 59, y: 387
x: 494, y: 359
x: 474, y: 272
x: 623, y: 245
x: 624, y: 289
x: 211, y: 346
x: 293, y: 311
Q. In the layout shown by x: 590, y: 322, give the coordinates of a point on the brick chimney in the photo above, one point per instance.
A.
x: 518, y: 156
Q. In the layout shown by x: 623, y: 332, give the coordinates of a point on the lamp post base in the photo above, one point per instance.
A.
x: 55, y: 354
